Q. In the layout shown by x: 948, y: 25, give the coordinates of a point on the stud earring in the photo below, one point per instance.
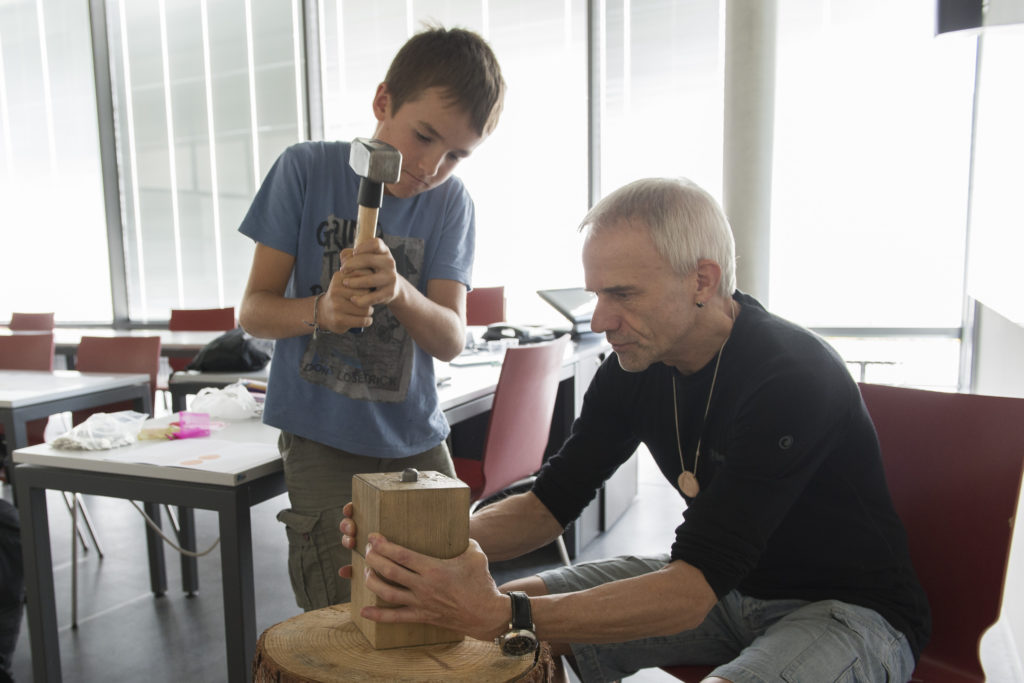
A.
x: 700, y: 304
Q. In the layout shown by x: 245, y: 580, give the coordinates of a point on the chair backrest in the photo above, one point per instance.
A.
x: 117, y: 354
x: 27, y: 351
x: 31, y: 321
x: 199, y: 320
x: 520, y: 423
x: 485, y: 305
x: 953, y: 464
x: 202, y: 319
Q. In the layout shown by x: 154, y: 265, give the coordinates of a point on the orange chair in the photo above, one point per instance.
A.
x: 953, y: 464
x: 31, y: 321
x: 520, y: 423
x: 485, y: 305
x: 199, y: 320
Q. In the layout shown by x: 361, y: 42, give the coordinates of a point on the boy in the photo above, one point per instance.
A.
x: 349, y: 402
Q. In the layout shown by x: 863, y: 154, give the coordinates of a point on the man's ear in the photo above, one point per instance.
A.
x: 709, y: 274
x: 382, y: 102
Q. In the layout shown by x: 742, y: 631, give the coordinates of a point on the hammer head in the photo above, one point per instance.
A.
x: 375, y: 160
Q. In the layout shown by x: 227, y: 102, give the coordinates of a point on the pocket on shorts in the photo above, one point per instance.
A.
x: 305, y: 568
x: 850, y: 635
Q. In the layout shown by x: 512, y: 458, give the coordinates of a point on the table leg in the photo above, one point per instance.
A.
x: 41, y: 605
x: 178, y: 400
x: 187, y: 539
x: 155, y: 548
x: 239, y: 586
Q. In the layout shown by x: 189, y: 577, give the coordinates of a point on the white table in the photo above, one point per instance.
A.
x: 29, y: 394
x: 151, y: 472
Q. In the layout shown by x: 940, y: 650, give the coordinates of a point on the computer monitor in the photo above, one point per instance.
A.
x: 575, y: 303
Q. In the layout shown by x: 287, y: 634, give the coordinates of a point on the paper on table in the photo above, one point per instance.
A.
x: 217, y: 455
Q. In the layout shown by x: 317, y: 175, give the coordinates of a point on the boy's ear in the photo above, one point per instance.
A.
x: 382, y: 102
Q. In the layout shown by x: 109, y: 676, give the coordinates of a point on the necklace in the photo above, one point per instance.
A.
x: 687, y: 482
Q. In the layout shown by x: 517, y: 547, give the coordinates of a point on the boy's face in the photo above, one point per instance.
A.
x: 432, y: 134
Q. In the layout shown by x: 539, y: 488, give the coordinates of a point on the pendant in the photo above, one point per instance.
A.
x: 688, y: 484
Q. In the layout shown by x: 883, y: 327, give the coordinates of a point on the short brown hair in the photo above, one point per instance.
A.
x: 456, y: 60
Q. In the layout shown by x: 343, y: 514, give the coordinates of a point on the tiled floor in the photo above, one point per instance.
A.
x: 125, y: 634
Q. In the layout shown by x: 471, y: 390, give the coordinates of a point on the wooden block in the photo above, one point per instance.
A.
x: 429, y: 515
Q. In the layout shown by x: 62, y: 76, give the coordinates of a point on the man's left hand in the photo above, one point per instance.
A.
x: 458, y: 594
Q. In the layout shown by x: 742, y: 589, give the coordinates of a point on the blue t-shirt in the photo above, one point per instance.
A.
x: 372, y: 393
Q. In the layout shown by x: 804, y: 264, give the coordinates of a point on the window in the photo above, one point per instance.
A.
x: 871, y: 162
x: 51, y: 191
x: 206, y: 95
x: 663, y: 86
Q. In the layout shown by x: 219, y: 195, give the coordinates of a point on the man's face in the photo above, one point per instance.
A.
x: 432, y: 134
x: 643, y: 306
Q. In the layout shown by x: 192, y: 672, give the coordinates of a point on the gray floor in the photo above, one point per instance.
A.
x: 125, y: 634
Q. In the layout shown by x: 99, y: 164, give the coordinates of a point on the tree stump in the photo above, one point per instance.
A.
x: 323, y: 646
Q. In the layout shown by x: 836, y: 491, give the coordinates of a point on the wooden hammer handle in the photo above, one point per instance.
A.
x: 366, y: 224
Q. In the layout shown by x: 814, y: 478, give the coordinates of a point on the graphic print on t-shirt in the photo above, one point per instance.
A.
x: 375, y: 365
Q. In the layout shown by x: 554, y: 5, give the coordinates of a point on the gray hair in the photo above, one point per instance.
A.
x: 685, y: 222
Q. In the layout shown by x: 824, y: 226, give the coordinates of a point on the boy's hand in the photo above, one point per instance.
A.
x: 348, y: 537
x: 370, y: 270
x: 337, y: 312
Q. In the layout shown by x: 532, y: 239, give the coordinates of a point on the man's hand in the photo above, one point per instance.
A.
x: 458, y: 594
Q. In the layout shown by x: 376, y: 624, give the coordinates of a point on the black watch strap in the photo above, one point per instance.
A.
x: 522, y: 615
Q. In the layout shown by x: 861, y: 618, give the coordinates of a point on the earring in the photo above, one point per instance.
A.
x: 700, y: 304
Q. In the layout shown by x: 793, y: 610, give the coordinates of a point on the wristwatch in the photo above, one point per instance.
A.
x: 520, y: 638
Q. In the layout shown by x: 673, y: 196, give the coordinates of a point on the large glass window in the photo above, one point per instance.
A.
x: 51, y: 192
x: 207, y: 93
x: 529, y: 179
x: 871, y: 166
x: 662, y: 83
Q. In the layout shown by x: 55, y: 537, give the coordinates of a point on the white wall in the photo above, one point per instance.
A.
x: 999, y: 371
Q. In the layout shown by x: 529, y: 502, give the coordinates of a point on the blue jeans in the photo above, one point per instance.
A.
x: 747, y: 639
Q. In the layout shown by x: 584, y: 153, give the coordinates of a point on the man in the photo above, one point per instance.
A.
x: 790, y: 562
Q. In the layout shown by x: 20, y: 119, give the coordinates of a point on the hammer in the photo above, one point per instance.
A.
x: 375, y: 162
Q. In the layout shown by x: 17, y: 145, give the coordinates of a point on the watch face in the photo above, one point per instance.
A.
x: 519, y: 642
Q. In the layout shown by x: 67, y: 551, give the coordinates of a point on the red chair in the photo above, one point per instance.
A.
x: 953, y: 464
x: 520, y: 423
x: 109, y: 354
x: 28, y: 351
x: 117, y: 354
x: 485, y: 305
x: 31, y: 321
x: 199, y: 320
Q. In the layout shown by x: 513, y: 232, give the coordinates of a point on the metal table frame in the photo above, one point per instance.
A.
x: 231, y: 503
